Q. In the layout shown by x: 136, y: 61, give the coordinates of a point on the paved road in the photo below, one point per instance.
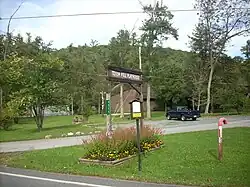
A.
x: 168, y: 126
x: 10, y: 177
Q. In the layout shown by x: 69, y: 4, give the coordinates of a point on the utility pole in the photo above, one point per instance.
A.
x: 141, y: 89
x: 148, y: 83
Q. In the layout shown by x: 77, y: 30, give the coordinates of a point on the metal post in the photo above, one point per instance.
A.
x: 138, y: 145
x: 108, y: 115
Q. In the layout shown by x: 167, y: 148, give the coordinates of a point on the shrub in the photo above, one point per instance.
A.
x: 6, y: 118
x: 122, y: 144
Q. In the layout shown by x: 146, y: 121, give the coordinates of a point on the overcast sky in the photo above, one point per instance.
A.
x: 80, y: 30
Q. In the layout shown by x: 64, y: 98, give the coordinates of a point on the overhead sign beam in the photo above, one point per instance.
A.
x: 124, y: 75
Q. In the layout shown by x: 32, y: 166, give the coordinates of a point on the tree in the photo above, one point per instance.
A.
x: 120, y: 50
x: 220, y: 21
x: 231, y: 89
x: 156, y: 29
x: 195, y: 74
x: 83, y: 82
x: 246, y: 49
x: 10, y: 81
x: 168, y: 81
x: 33, y: 76
x: 245, y: 67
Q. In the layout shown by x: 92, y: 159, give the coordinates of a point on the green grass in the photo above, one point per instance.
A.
x: 188, y: 158
x: 58, y: 125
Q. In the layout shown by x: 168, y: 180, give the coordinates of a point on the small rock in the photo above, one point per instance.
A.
x: 70, y: 134
x: 82, y: 133
x: 90, y: 132
x: 64, y: 135
x: 48, y: 136
x: 78, y: 133
x: 97, y: 131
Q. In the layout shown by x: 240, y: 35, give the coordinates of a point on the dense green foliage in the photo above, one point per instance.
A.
x: 35, y: 76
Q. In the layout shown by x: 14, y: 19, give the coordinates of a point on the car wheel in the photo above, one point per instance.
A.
x: 168, y: 117
x: 193, y: 119
x: 183, y: 118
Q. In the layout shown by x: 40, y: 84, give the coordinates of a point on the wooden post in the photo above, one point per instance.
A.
x: 121, y: 102
x: 220, y: 145
x: 148, y: 101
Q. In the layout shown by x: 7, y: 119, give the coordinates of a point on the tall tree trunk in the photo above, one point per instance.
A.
x: 121, y: 102
x: 199, y: 101
x: 166, y: 107
x: 148, y: 101
x: 209, y: 86
x: 81, y: 104
x: 99, y: 104
x: 1, y: 99
x: 102, y: 105
x: 193, y: 102
x: 212, y: 103
x: 72, y: 106
x: 38, y: 111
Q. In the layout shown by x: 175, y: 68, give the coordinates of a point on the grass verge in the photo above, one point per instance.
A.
x: 187, y: 158
x: 57, y: 125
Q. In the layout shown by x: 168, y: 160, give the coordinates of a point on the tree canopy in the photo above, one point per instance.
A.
x: 35, y: 76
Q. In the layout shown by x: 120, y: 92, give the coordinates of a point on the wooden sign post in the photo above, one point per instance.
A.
x: 220, y: 145
x: 123, y: 75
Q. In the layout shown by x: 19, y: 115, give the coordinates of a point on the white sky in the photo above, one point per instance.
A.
x: 80, y: 30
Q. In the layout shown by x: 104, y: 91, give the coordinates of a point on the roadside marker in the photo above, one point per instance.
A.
x: 220, y: 147
x: 52, y: 180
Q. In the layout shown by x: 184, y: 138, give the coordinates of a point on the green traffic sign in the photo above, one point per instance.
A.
x: 107, y: 107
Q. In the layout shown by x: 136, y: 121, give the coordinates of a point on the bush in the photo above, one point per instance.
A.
x: 6, y: 118
x: 246, y: 105
x: 122, y: 144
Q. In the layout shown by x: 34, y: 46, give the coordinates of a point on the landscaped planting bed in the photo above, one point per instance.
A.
x: 121, y: 146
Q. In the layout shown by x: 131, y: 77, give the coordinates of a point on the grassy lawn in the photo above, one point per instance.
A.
x: 188, y: 158
x: 55, y: 126
x: 58, y: 125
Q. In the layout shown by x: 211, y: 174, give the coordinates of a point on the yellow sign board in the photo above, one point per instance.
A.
x: 136, y: 115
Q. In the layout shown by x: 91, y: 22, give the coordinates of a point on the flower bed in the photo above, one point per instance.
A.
x: 122, y: 145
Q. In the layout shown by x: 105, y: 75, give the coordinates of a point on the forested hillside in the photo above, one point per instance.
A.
x: 34, y: 75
